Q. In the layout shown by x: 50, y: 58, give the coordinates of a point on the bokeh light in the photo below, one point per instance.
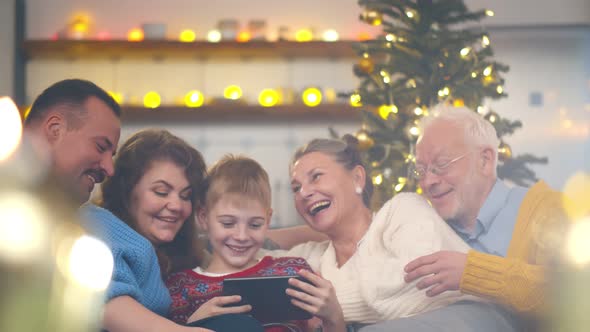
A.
x: 578, y: 245
x: 214, y: 36
x: 577, y: 196
x: 90, y: 263
x: 268, y: 97
x: 304, y: 35
x: 151, y: 100
x: 11, y: 128
x: 232, y: 92
x: 194, y: 98
x: 135, y: 35
x: 187, y: 36
x: 23, y: 227
x: 312, y: 97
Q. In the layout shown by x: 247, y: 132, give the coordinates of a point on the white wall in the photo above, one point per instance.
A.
x: 554, y: 62
x: 46, y: 17
x: 7, y: 47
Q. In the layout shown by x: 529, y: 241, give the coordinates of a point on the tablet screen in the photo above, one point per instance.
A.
x: 267, y: 297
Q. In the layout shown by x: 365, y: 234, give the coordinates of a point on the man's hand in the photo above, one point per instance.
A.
x: 444, y: 270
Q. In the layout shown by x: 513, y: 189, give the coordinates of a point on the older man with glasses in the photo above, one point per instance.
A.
x: 513, y: 231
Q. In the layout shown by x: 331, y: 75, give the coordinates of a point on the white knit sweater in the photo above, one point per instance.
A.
x: 370, y: 286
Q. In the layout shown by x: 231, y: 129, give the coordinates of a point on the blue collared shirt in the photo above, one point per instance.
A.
x: 495, y: 221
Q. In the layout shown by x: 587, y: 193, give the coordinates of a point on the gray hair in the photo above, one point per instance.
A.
x: 478, y: 131
x: 344, y: 152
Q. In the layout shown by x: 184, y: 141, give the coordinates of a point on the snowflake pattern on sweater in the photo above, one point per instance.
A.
x: 189, y: 289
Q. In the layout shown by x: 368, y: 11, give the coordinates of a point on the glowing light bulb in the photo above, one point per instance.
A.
x: 364, y: 36
x: 355, y: 100
x: 391, y: 37
x: 414, y: 131
x: 473, y: 74
x: 214, y: 36
x: 385, y: 110
x: 312, y: 97
x: 243, y: 37
x: 151, y: 100
x: 187, y: 36
x: 499, y: 89
x: 485, y: 41
x: 465, y: 51
x: 304, y: 35
x: 487, y: 71
x: 11, y: 128
x: 232, y: 92
x: 490, y: 13
x: 135, y: 35
x: 268, y: 97
x: 410, y: 13
x: 330, y: 35
x: 194, y: 98
x: 481, y: 110
x: 378, y: 179
x: 418, y: 111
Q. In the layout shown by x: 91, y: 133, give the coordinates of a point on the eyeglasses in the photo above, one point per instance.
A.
x: 419, y: 172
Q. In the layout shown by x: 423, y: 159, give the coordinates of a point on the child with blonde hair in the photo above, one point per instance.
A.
x: 236, y: 217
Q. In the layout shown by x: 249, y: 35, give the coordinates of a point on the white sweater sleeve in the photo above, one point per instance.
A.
x: 406, y: 228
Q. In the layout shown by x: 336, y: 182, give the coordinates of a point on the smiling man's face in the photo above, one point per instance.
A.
x: 83, y: 155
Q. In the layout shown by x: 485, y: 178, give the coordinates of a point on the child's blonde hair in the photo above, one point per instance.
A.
x: 238, y: 175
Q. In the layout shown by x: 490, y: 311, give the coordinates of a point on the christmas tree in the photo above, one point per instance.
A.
x: 428, y: 54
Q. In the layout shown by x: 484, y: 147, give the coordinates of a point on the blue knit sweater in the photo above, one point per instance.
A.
x: 136, y: 272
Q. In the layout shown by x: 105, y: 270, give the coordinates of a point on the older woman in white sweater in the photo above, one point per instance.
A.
x: 362, y: 264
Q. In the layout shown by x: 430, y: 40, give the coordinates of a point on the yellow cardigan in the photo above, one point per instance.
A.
x: 518, y: 280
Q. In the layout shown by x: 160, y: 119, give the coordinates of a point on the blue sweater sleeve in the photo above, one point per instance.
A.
x: 136, y: 271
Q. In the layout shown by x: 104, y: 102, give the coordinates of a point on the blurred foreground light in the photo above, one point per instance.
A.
x: 578, y: 245
x: 90, y: 263
x: 11, y: 128
x: 577, y: 196
x: 23, y: 227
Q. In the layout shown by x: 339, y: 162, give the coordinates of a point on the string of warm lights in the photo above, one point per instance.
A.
x: 310, y: 97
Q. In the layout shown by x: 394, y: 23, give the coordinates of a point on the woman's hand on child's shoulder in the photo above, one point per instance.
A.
x: 218, y: 306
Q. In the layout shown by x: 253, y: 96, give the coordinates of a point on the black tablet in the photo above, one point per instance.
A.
x: 267, y: 297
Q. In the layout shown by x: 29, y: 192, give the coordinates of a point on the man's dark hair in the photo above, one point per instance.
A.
x: 72, y: 94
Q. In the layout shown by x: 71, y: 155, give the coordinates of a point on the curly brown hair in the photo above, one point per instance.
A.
x: 134, y: 158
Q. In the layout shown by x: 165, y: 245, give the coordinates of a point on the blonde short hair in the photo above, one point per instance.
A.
x: 238, y: 175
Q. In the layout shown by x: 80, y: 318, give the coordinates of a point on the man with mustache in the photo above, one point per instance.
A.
x: 513, y: 231
x: 76, y: 125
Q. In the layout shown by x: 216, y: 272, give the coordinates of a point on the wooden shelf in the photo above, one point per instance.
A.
x: 115, y: 49
x: 241, y: 113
